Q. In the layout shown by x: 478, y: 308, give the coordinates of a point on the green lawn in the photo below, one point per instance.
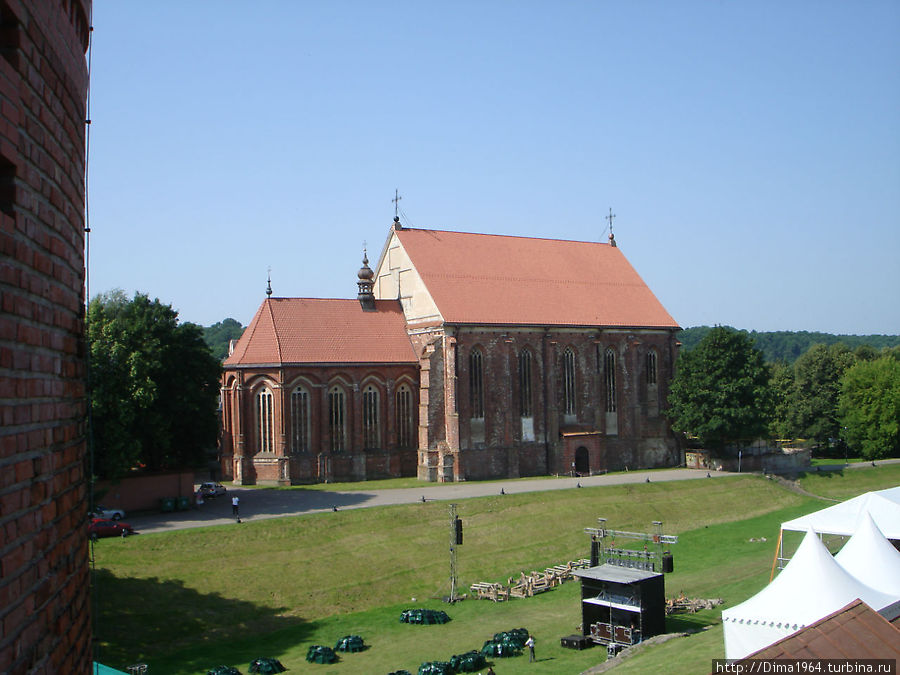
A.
x: 187, y: 600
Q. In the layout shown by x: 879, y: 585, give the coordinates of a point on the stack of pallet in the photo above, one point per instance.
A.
x: 484, y: 590
x: 685, y: 605
x: 528, y: 585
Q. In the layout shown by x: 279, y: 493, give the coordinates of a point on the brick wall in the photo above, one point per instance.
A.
x: 243, y: 462
x: 44, y: 598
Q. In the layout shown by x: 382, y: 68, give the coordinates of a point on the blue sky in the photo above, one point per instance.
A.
x: 750, y: 150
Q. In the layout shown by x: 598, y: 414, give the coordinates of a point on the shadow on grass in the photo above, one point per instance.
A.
x: 690, y: 623
x: 136, y: 618
x: 826, y: 471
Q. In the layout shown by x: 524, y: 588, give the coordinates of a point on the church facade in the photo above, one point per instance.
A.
x: 464, y: 357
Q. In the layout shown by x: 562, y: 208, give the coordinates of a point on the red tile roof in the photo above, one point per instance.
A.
x: 313, y: 330
x: 853, y: 632
x: 494, y: 279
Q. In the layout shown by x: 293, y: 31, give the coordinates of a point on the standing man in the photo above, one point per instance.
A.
x: 234, y: 506
x: 530, y: 644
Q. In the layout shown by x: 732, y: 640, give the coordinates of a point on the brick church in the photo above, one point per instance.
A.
x: 463, y: 357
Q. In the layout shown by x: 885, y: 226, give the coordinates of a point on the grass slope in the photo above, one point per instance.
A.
x: 187, y: 600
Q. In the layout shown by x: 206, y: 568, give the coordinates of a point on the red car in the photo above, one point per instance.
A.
x: 105, y: 527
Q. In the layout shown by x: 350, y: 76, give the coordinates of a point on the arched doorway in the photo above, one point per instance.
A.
x: 582, y: 461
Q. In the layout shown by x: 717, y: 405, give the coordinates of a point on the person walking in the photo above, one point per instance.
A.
x: 530, y: 644
x: 234, y: 506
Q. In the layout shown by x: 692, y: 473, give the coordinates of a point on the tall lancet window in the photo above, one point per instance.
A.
x: 525, y: 383
x: 569, y: 382
x: 651, y: 368
x: 609, y: 367
x: 265, y: 423
x: 371, y: 431
x: 476, y: 383
x: 299, y: 420
x: 404, y: 413
x: 337, y: 419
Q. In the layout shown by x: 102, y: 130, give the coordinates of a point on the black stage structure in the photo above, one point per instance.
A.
x: 623, y: 595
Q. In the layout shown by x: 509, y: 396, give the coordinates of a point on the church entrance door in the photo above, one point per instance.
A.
x: 582, y: 461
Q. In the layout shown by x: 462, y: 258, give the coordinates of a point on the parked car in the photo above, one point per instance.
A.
x: 103, y: 512
x: 105, y: 527
x: 212, y: 489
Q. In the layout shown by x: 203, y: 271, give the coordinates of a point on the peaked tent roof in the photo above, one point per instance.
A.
x: 314, y: 330
x: 810, y: 587
x: 871, y: 558
x: 504, y: 280
x: 883, y: 505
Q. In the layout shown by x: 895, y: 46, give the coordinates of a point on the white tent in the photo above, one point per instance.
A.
x: 809, y: 588
x: 883, y: 505
x: 871, y: 558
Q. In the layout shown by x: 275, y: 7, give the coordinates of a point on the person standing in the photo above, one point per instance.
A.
x: 530, y: 644
x: 234, y: 506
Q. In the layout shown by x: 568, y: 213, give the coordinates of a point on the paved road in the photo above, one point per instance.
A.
x: 258, y: 504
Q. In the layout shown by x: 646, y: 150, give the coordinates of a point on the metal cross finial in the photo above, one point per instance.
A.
x: 396, y: 201
x: 610, y: 219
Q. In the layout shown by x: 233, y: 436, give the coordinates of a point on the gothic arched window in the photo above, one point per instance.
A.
x: 651, y: 368
x: 525, y: 383
x: 299, y: 420
x: 336, y: 419
x: 476, y: 383
x: 371, y: 428
x: 404, y: 413
x: 569, y: 382
x: 609, y: 367
x: 265, y: 422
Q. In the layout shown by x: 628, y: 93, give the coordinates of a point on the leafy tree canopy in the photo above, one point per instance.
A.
x: 817, y: 384
x: 720, y: 391
x: 869, y: 407
x: 220, y: 334
x: 154, y: 386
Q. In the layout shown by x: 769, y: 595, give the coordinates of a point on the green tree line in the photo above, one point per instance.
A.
x: 788, y: 346
x: 724, y: 392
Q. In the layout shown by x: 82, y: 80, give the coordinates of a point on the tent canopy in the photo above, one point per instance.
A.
x: 810, y: 587
x: 871, y: 558
x: 843, y: 518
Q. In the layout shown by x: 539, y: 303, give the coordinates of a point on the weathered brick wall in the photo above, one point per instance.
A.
x: 44, y: 597
x: 641, y: 438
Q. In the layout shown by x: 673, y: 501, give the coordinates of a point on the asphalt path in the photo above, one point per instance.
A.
x: 260, y: 503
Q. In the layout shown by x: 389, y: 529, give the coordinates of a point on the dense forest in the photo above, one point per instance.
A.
x: 219, y: 334
x: 786, y: 346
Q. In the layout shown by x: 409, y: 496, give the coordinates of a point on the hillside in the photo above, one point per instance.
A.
x: 219, y: 334
x: 788, y: 345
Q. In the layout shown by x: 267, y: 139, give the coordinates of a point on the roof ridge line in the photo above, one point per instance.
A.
x: 275, y: 330
x: 509, y: 236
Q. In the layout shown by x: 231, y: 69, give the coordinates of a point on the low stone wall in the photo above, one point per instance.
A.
x: 766, y: 459
x: 142, y: 493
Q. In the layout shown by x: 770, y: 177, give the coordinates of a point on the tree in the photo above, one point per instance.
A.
x: 154, y: 386
x: 817, y: 385
x: 220, y: 334
x: 869, y: 407
x: 781, y: 384
x: 720, y: 392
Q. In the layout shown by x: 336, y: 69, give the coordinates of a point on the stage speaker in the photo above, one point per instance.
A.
x: 458, y: 531
x: 668, y: 562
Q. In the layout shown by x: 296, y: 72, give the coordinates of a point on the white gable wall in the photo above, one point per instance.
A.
x: 396, y: 277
